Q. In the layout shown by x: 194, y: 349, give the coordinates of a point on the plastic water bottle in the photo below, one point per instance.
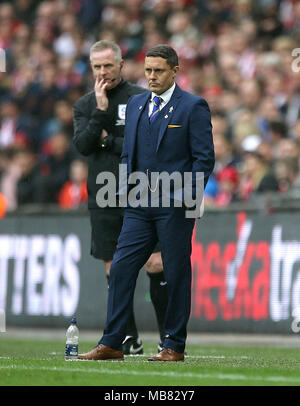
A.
x: 72, y: 335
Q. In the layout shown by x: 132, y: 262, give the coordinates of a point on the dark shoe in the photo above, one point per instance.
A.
x: 167, y: 355
x: 102, y: 353
x: 132, y: 346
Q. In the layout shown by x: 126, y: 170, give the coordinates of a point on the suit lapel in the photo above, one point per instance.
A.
x: 134, y: 119
x: 169, y: 112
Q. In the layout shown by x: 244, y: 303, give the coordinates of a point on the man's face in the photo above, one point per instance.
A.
x: 159, y: 74
x: 105, y: 66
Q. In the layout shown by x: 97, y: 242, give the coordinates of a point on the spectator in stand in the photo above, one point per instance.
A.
x: 195, y: 78
x: 277, y: 133
x: 29, y: 188
x: 244, y: 126
x: 62, y: 121
x: 42, y: 95
x: 25, y: 10
x: 292, y: 114
x: 183, y: 34
x: 295, y: 131
x: 56, y: 166
x: 250, y: 94
x: 265, y: 150
x: 228, y: 180
x: 224, y: 153
x: 255, y: 177
x: 73, y: 194
x: 268, y: 112
x: 288, y: 148
x: 8, y: 24
x: 64, y: 117
x: 65, y: 44
x: 88, y: 13
x: 292, y: 16
x: 211, y: 191
x: 9, y: 175
x: 220, y: 124
x: 15, y: 128
x: 287, y: 174
x: 221, y: 189
x: 17, y: 54
x: 229, y: 104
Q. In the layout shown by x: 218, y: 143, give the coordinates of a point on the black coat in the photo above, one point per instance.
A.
x: 88, y: 125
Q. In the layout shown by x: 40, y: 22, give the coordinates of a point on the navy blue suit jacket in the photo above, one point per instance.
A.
x: 184, y: 141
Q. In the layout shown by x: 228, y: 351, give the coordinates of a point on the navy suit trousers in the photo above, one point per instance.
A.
x: 142, y: 227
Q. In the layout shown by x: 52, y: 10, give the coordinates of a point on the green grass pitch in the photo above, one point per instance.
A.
x: 41, y: 363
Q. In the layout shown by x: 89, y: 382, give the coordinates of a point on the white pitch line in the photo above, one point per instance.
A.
x: 222, y: 376
x: 218, y: 356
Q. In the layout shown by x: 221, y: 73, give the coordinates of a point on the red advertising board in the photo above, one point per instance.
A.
x: 253, y: 276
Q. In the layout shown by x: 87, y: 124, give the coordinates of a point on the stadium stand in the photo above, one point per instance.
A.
x: 241, y: 55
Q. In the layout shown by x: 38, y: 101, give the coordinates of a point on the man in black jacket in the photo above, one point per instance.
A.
x: 99, y: 121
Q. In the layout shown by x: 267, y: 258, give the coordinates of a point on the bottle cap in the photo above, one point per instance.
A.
x: 73, y: 321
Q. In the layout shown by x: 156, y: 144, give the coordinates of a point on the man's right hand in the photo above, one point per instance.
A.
x: 100, y: 93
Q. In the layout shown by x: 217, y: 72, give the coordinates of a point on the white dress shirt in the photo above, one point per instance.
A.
x: 164, y: 98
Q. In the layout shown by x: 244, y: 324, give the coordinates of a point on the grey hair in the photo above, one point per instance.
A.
x: 106, y: 44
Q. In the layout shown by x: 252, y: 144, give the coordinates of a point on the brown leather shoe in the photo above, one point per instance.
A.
x: 102, y: 353
x: 167, y: 355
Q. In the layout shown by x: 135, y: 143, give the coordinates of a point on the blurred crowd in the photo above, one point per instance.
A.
x: 240, y: 55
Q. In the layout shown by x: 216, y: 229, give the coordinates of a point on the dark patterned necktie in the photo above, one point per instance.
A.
x: 156, y: 103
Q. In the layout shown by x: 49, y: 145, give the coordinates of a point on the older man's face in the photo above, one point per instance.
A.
x: 105, y: 67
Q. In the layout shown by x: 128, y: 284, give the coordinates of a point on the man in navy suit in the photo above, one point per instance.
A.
x: 167, y: 130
